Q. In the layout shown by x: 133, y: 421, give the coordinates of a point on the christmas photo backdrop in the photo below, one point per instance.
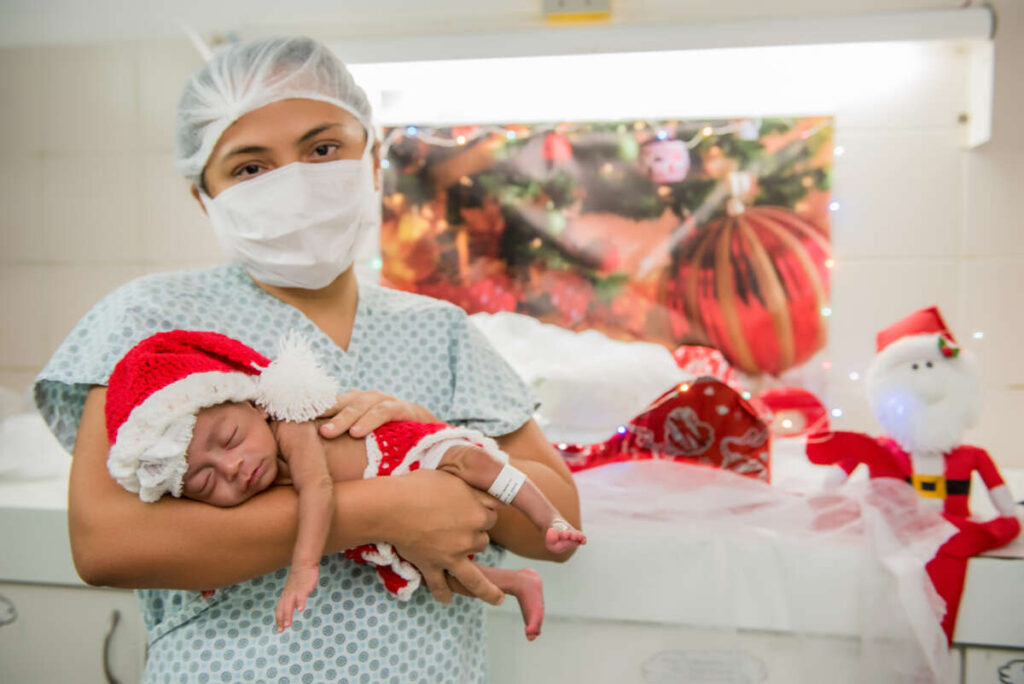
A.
x: 678, y: 232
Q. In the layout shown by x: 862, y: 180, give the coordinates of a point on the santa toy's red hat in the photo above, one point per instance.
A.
x: 922, y: 388
x: 919, y: 335
x: 160, y: 385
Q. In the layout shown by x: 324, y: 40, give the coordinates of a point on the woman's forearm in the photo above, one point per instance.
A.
x: 179, y: 544
x: 189, y: 545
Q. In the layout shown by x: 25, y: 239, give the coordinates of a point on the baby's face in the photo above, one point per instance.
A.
x: 232, y: 455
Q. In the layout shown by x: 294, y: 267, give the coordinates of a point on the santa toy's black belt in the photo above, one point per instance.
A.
x: 938, y: 485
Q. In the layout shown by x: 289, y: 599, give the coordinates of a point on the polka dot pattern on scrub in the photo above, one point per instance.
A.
x: 352, y: 630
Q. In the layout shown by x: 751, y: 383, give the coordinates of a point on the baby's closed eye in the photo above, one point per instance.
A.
x: 199, y: 484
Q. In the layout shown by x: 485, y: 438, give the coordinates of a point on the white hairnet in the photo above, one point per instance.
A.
x: 248, y: 76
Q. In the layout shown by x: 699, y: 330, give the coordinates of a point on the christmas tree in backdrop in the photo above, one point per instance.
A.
x: 697, y: 232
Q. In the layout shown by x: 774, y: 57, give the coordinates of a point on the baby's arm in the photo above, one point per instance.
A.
x: 300, y: 446
x: 479, y: 468
x: 481, y: 463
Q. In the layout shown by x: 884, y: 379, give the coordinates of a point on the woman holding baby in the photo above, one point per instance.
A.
x: 277, y: 141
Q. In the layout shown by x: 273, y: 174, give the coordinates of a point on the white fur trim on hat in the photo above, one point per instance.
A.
x: 903, y: 350
x: 294, y: 387
x: 909, y: 349
x: 148, y: 455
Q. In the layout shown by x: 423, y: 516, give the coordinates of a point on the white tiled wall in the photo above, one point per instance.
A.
x: 922, y: 223
x: 893, y: 179
x: 88, y: 197
x: 88, y: 200
x: 90, y: 99
x: 91, y: 207
x: 20, y: 76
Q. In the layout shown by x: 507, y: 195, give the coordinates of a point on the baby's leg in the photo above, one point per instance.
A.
x: 479, y: 469
x: 524, y: 584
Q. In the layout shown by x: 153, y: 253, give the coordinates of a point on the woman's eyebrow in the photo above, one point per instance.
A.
x: 260, y: 149
x: 313, y: 132
x: 245, y: 149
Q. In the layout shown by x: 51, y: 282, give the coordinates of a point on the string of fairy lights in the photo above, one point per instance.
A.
x: 744, y: 128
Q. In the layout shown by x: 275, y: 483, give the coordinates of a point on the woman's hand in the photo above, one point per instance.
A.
x: 435, y: 521
x: 360, y: 412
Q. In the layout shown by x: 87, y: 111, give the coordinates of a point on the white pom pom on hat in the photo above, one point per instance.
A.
x: 294, y: 387
x: 160, y: 385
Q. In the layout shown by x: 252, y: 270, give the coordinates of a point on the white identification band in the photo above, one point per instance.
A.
x: 507, y: 484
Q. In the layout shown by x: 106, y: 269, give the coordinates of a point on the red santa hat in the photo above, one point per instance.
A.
x: 936, y: 423
x: 160, y: 385
x: 920, y: 335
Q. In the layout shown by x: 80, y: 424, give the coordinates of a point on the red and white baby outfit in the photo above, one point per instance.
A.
x: 401, y: 447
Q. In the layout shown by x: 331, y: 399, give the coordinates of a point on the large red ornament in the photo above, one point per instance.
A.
x: 753, y: 284
x: 704, y: 422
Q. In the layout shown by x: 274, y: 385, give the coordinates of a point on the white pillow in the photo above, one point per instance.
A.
x: 588, y: 384
x: 29, y: 451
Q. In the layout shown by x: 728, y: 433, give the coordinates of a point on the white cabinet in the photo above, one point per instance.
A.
x: 51, y: 634
x: 983, y: 665
x: 615, y: 651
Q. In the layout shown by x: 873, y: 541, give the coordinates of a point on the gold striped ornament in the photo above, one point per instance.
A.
x: 753, y: 284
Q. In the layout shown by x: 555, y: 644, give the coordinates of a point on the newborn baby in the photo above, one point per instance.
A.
x: 237, y: 424
x: 237, y: 452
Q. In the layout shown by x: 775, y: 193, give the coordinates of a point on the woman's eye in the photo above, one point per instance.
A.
x: 248, y: 170
x: 928, y: 363
x: 324, y: 149
x: 913, y: 366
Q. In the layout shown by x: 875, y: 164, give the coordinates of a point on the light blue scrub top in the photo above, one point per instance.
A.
x: 416, y: 348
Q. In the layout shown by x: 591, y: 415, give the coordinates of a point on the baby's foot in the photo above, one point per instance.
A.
x: 562, y: 536
x: 529, y: 591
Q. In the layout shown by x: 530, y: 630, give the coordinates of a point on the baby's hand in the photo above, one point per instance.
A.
x: 300, y: 584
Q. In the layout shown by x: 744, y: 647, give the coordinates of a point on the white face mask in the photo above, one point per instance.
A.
x: 299, y: 225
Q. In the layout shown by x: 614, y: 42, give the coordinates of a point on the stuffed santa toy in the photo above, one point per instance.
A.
x: 925, y: 391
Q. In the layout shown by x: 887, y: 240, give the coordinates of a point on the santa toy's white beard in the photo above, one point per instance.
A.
x: 929, y: 408
x: 919, y: 427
